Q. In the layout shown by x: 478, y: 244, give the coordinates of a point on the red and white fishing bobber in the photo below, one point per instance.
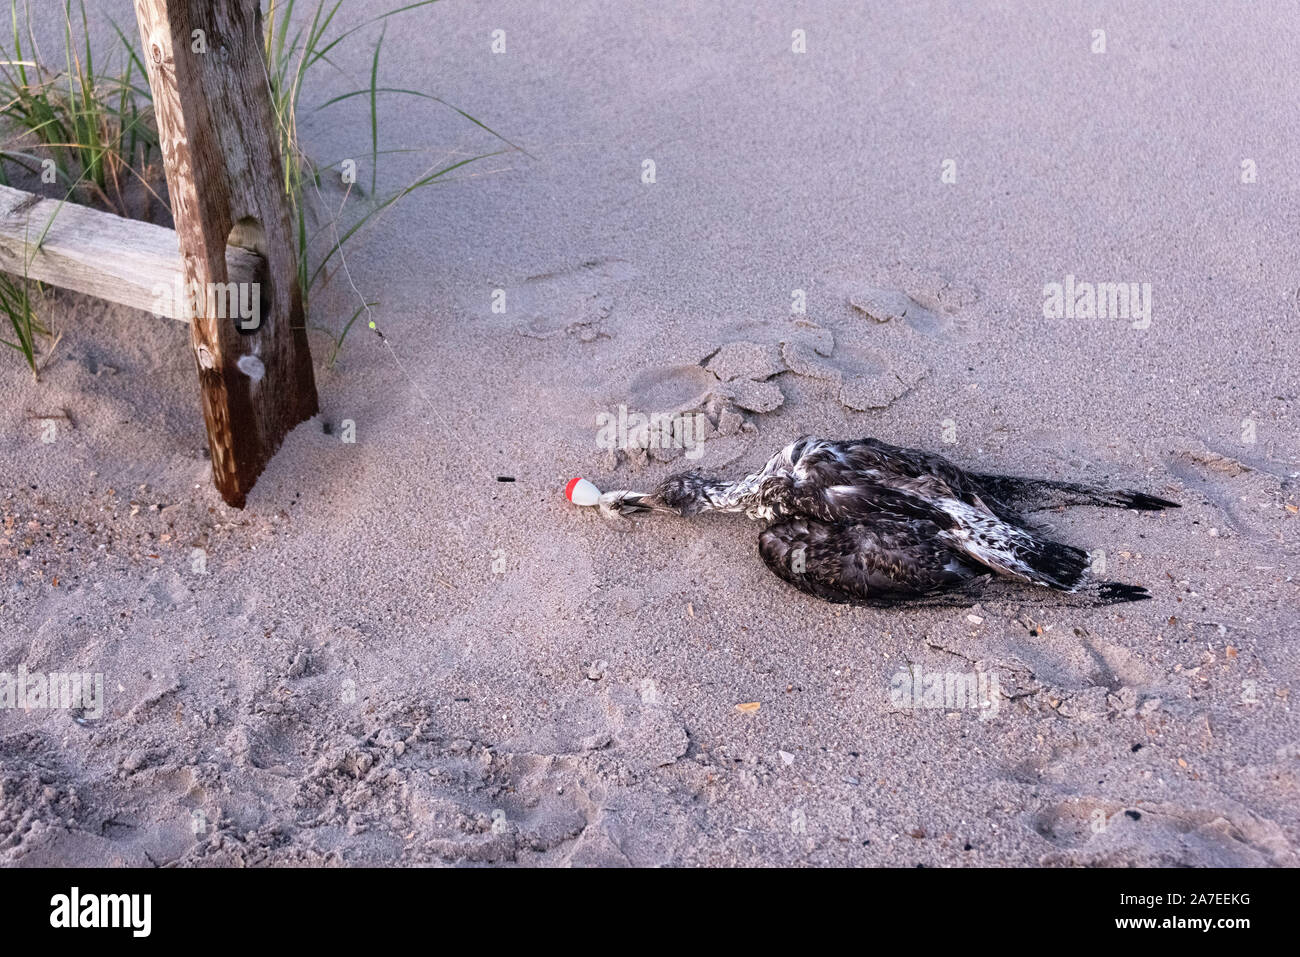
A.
x: 581, y: 492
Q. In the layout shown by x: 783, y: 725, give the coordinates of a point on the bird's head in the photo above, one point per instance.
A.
x: 686, y: 492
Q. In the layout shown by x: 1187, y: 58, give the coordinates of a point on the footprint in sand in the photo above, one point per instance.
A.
x: 936, y: 291
x: 869, y: 368
x: 877, y: 358
x: 1091, y: 831
x: 673, y: 409
x: 867, y: 377
x: 1075, y: 822
x: 1240, y: 485
x: 904, y: 323
x: 672, y: 390
x: 576, y: 301
x: 892, y: 306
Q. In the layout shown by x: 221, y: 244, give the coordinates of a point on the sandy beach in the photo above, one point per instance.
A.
x: 390, y: 656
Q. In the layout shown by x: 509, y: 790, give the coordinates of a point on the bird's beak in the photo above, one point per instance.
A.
x: 623, y: 503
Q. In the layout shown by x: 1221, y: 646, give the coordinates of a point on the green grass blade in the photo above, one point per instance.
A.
x: 383, y: 16
x: 426, y: 96
x: 418, y: 184
x: 374, y: 112
x: 343, y: 333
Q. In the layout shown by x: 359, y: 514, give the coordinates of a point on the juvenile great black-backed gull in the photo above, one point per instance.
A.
x: 869, y: 523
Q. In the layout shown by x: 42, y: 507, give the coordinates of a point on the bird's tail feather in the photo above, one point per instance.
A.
x: 1036, y: 494
x: 1065, y: 568
x: 1115, y: 593
x: 1059, y: 566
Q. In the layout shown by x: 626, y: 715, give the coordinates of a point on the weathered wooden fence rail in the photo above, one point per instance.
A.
x: 120, y: 260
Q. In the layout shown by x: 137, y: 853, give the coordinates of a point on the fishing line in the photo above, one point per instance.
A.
x: 338, y: 247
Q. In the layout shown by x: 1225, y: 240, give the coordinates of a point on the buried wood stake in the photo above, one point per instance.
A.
x: 218, y: 136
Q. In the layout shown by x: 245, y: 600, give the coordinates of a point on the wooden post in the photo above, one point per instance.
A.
x: 220, y: 150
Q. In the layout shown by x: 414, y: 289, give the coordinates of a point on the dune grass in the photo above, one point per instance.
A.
x: 16, y: 306
x: 78, y: 128
x: 91, y: 133
x: 292, y: 53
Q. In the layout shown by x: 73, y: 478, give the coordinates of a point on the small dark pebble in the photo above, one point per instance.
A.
x: 505, y: 478
x: 1137, y: 747
x: 1135, y: 815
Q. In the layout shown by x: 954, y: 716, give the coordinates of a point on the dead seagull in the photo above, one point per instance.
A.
x: 865, y: 522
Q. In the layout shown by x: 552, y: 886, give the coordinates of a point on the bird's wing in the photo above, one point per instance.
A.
x: 866, y: 482
x: 882, y: 561
x: 853, y: 481
x: 1012, y: 550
